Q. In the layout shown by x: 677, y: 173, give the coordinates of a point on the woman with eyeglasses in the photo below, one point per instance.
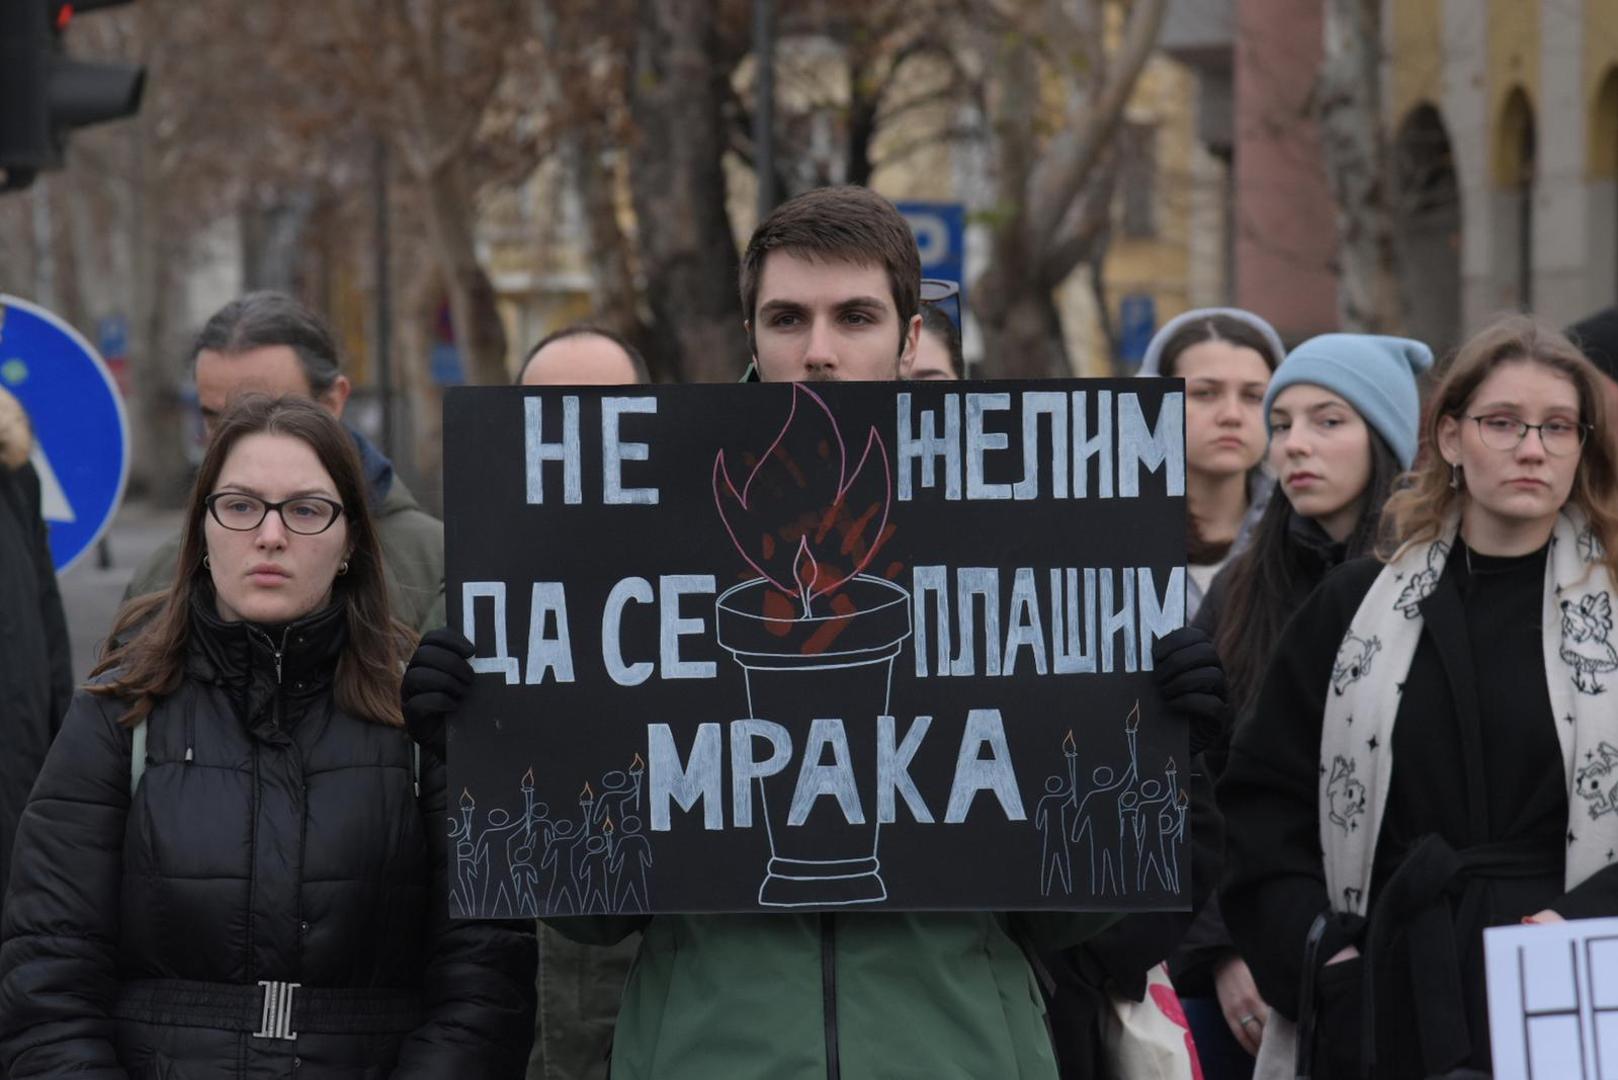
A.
x: 232, y: 864
x: 1432, y: 747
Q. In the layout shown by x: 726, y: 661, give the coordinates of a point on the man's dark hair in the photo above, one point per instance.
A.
x: 261, y: 320
x: 1597, y: 337
x: 636, y: 360
x: 847, y: 224
x: 934, y: 318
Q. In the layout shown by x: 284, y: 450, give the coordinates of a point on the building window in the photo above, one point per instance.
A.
x: 1137, y: 179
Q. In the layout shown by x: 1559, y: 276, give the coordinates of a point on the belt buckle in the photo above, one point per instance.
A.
x: 276, y: 1020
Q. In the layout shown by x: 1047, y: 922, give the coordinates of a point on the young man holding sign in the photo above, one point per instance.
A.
x: 830, y: 285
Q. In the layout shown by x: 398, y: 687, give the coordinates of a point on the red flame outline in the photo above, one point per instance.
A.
x: 845, y: 481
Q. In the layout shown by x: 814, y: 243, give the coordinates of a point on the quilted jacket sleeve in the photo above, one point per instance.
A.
x: 479, y: 990
x: 59, y: 938
x: 53, y: 621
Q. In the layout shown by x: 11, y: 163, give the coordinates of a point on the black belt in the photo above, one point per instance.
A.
x: 269, y: 1010
x: 1415, y: 898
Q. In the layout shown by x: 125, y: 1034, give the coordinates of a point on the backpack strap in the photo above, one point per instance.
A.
x: 137, y: 756
x: 415, y: 766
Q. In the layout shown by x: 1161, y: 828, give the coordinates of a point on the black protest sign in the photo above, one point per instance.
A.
x: 764, y: 647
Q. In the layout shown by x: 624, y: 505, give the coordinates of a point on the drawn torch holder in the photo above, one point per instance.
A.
x: 796, y: 670
x: 816, y: 637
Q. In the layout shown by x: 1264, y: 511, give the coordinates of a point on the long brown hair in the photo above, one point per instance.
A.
x: 1268, y: 581
x: 1418, y: 511
x: 152, y: 632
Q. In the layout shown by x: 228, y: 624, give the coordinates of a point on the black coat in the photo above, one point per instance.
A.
x: 1314, y: 554
x: 272, y: 837
x: 1476, y: 766
x: 36, y: 669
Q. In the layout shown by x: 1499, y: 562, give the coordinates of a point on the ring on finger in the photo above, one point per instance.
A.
x: 1249, y: 1019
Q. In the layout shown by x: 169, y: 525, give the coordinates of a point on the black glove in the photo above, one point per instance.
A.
x: 434, y: 684
x: 1189, y: 675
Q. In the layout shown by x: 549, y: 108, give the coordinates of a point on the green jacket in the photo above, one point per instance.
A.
x: 851, y: 996
x: 412, y: 549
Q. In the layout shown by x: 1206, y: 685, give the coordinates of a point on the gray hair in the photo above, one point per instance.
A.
x: 264, y: 319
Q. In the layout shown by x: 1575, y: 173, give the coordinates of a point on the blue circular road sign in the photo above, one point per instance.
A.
x: 81, y: 436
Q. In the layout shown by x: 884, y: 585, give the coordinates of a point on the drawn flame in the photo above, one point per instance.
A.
x: 528, y: 779
x: 467, y: 802
x: 1068, y: 745
x: 637, y: 765
x: 1132, y: 723
x: 587, y: 794
x: 1184, y: 798
x: 607, y: 828
x: 803, y: 519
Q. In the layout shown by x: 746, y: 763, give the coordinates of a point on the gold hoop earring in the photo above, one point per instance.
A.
x: 206, y: 565
x: 342, y: 568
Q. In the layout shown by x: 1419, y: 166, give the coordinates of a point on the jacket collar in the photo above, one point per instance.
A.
x: 1314, y: 541
x: 378, y: 470
x: 298, y: 659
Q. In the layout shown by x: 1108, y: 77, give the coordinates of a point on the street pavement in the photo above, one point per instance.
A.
x: 91, y: 594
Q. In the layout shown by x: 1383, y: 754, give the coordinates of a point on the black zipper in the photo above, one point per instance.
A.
x: 828, y: 992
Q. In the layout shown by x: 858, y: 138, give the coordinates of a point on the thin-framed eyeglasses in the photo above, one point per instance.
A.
x: 307, y: 515
x: 945, y: 295
x: 1560, y: 437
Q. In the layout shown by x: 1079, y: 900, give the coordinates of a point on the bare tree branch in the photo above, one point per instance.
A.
x: 1061, y: 174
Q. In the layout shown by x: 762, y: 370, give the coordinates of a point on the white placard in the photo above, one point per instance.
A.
x: 1553, y: 1000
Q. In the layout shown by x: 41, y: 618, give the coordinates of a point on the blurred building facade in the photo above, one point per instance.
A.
x: 1502, y: 121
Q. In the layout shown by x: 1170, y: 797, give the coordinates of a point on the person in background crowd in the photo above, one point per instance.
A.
x: 1225, y: 356
x: 938, y: 350
x: 582, y: 355
x: 1597, y: 337
x: 230, y: 866
x: 829, y: 287
x: 1343, y: 413
x: 579, y: 986
x: 36, y: 667
x: 1424, y: 758
x: 269, y: 343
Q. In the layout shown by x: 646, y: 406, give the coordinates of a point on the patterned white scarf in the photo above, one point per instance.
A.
x: 1356, y: 739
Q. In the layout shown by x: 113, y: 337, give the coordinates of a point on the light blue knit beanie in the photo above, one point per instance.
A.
x: 1373, y: 373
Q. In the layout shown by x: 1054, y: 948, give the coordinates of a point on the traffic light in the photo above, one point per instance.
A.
x: 45, y: 94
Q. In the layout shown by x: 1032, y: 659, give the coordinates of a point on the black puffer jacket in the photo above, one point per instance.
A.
x: 36, y: 671
x: 272, y: 837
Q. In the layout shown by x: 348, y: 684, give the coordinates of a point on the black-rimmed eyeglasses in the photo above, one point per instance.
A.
x: 1559, y: 437
x: 307, y: 515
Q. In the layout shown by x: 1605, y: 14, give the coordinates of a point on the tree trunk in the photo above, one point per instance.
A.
x: 160, y: 426
x: 1024, y: 340
x: 615, y: 302
x: 1054, y: 195
x: 688, y: 254
x: 1358, y: 167
x: 1010, y: 298
x: 450, y: 214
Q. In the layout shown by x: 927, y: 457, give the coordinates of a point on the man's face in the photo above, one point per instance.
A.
x: 828, y: 321
x: 271, y: 369
x: 580, y: 360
